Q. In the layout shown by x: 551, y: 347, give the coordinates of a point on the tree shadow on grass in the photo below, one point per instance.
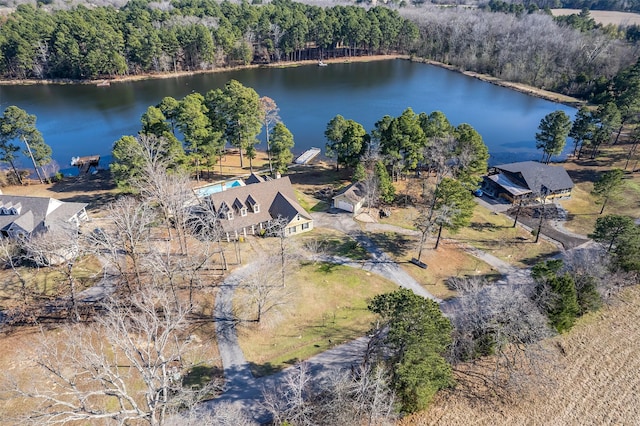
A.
x: 397, y: 244
x: 318, y: 175
x: 539, y: 258
x: 327, y: 267
x: 267, y: 368
x: 485, y: 226
x: 201, y: 375
x: 97, y: 190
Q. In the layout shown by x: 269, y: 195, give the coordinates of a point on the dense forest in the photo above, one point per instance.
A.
x: 530, y: 48
x: 143, y: 37
x: 522, y: 43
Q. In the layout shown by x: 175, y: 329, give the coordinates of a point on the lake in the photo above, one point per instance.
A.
x: 78, y: 120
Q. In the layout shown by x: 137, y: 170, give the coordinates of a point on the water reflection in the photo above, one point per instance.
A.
x: 86, y: 119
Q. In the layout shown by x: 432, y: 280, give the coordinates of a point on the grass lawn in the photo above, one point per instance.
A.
x: 310, y: 203
x: 582, y: 207
x: 47, y: 282
x: 333, y: 243
x: 488, y: 231
x: 495, y: 234
x: 401, y: 217
x: 328, y: 307
x: 445, y: 262
x: 583, y: 211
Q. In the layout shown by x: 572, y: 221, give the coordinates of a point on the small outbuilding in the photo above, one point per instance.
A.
x: 351, y: 199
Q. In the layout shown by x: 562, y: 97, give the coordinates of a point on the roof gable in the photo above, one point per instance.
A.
x: 354, y: 192
x: 275, y: 198
x: 37, y: 211
x: 554, y: 178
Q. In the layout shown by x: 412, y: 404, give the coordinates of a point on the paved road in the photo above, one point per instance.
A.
x: 245, y: 391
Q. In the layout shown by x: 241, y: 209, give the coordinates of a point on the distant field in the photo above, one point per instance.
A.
x: 595, y: 381
x: 604, y: 16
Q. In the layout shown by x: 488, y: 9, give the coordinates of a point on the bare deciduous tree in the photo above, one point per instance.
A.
x: 127, y: 237
x: 224, y: 414
x: 127, y: 366
x: 498, y: 320
x: 61, y: 248
x: 271, y: 117
x: 278, y: 228
x: 264, y: 293
x: 291, y: 402
x: 361, y: 395
x: 170, y: 192
x: 10, y: 258
x: 530, y: 49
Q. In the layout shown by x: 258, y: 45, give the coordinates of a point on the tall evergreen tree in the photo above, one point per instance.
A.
x: 552, y: 138
x: 18, y: 128
x: 414, y: 335
x: 281, y: 145
x: 346, y: 140
x: 608, y: 186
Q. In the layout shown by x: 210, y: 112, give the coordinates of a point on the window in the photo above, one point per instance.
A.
x: 243, y: 211
x: 256, y: 208
x: 292, y: 230
x: 229, y: 215
x: 305, y: 226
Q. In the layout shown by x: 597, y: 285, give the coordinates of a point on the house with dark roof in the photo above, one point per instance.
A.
x: 350, y: 199
x: 527, y: 179
x: 247, y: 210
x: 25, y: 216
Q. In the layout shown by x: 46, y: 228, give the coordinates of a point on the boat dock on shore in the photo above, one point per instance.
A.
x: 307, y: 156
x: 84, y: 164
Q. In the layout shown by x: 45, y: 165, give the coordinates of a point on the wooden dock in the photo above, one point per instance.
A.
x: 307, y: 156
x: 84, y: 164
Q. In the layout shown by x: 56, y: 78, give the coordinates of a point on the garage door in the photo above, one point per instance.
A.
x: 344, y: 205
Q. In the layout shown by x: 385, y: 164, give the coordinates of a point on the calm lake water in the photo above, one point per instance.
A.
x: 78, y: 120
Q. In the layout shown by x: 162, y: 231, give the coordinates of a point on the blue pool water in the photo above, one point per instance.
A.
x: 204, y: 191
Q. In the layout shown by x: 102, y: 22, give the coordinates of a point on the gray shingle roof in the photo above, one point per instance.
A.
x: 274, y: 197
x: 354, y: 192
x: 37, y: 212
x: 554, y: 178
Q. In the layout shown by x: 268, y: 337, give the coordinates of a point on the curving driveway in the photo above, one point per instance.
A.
x: 245, y: 391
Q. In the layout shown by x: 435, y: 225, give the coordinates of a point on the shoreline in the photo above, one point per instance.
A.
x: 519, y: 87
x: 165, y: 75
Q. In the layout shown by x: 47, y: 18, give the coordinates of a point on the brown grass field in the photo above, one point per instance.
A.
x: 594, y: 380
x: 604, y: 17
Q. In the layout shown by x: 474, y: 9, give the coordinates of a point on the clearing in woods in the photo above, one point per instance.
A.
x: 604, y: 17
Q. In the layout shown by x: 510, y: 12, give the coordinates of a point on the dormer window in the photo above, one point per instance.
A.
x: 225, y: 212
x: 255, y: 207
x: 243, y: 211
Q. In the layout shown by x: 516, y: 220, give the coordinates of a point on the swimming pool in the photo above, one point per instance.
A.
x: 206, y: 190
